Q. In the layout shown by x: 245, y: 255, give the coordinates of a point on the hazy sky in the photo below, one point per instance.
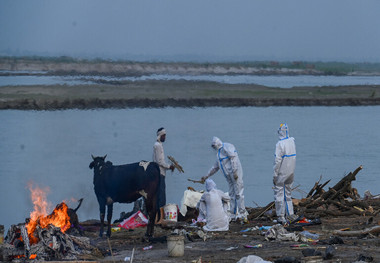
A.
x: 327, y: 30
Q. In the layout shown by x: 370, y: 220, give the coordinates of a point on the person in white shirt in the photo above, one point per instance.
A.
x: 159, y: 158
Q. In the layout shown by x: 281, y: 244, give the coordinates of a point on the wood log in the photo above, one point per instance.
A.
x: 343, y: 182
x: 261, y: 211
x: 324, y: 212
x: 314, y: 188
x: 336, y: 193
x: 316, y: 203
x: 347, y: 208
x: 82, y: 242
x: 372, y: 230
x: 319, y: 191
x: 358, y: 203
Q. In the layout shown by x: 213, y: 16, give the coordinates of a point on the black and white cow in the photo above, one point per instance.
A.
x: 125, y: 184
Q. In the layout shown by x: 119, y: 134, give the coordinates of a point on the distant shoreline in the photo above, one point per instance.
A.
x: 124, y: 104
x: 71, y: 66
x: 96, y: 103
x: 171, y: 93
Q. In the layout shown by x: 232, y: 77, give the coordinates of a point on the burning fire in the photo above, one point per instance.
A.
x: 39, y: 217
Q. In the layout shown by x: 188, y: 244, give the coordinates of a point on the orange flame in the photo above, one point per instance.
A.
x: 39, y: 217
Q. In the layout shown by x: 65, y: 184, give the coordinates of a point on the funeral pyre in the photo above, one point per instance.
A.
x: 340, y: 200
x: 43, y: 236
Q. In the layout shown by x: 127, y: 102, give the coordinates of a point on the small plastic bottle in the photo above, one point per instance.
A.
x: 309, y: 235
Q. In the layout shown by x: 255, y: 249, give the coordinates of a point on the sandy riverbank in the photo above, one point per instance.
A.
x: 153, y: 94
x: 168, y: 93
x: 78, y: 67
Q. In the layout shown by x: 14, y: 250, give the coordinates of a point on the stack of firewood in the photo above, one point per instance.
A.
x: 52, y: 245
x: 340, y: 200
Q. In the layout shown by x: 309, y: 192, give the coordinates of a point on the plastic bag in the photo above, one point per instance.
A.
x: 136, y: 220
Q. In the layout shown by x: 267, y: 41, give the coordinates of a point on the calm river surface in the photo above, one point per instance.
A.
x: 281, y: 81
x: 53, y: 149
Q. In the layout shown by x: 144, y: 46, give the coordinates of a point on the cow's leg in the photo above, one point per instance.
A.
x: 151, y: 207
x: 102, y: 210
x: 109, y: 218
x: 101, y: 224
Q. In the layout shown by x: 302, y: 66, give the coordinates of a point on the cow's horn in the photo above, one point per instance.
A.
x: 92, y: 157
x: 105, y: 156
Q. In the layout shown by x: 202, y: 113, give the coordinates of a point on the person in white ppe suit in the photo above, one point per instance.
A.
x: 283, y: 174
x: 228, y: 162
x: 213, y: 207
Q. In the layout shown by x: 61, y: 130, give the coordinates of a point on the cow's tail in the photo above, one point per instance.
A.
x: 80, y: 203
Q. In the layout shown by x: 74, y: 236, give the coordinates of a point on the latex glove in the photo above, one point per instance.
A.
x: 171, y: 168
x: 236, y: 176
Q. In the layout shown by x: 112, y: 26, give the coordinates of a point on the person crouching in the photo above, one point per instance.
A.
x: 213, y: 206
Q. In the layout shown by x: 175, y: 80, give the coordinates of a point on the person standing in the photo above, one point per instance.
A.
x: 227, y: 160
x: 159, y: 158
x: 283, y: 174
x: 213, y: 207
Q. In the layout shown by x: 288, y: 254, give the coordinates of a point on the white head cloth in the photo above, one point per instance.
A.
x: 160, y: 133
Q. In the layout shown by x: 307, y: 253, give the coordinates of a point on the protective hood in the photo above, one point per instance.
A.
x: 216, y: 143
x: 210, y: 184
x: 283, y: 131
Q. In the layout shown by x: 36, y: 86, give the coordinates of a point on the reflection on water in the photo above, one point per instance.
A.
x: 53, y: 149
x: 269, y: 81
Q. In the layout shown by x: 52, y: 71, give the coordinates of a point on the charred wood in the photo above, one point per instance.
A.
x: 261, y: 211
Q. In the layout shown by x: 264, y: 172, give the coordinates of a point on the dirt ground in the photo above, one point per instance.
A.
x: 229, y: 246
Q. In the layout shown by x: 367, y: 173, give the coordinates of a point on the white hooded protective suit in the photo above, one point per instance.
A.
x: 213, y: 207
x: 283, y: 172
x: 227, y: 160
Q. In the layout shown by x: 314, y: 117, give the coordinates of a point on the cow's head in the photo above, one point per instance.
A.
x: 97, y: 163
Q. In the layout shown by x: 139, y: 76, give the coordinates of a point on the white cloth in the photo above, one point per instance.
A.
x: 227, y: 160
x: 283, y: 172
x: 252, y: 259
x: 213, y: 207
x: 160, y: 133
x: 189, y: 199
x: 159, y: 157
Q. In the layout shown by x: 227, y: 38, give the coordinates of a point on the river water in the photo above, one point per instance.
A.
x: 281, y: 81
x: 52, y: 149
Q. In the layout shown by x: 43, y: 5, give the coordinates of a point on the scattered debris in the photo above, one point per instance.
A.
x: 254, y: 246
x: 278, y: 232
